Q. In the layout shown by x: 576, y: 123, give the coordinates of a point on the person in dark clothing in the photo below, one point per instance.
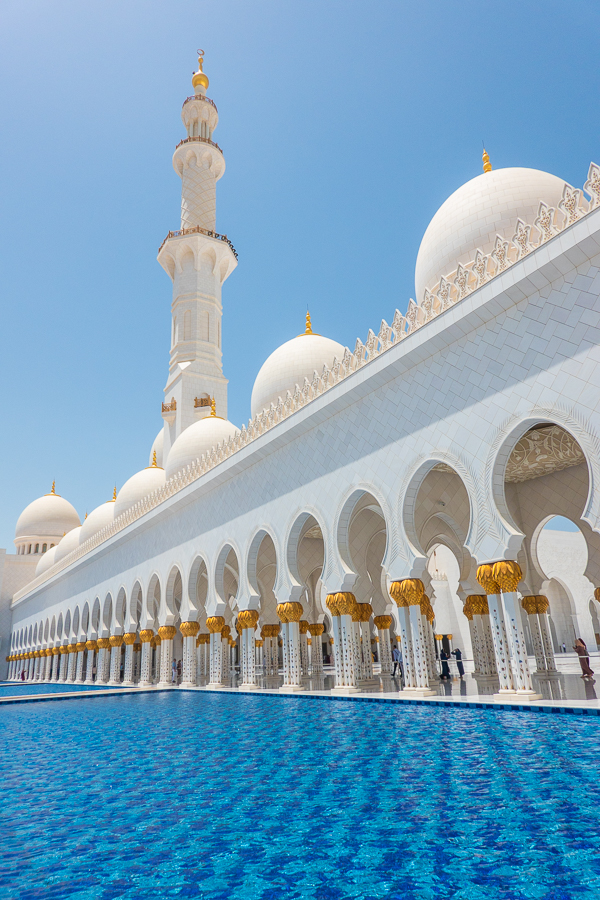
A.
x: 459, y: 663
x: 445, y: 667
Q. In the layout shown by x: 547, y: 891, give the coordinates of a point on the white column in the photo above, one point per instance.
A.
x: 146, y: 636
x: 316, y: 651
x: 303, y: 647
x: 419, y: 651
x: 72, y: 663
x: 517, y: 644
x: 214, y: 625
x: 103, y: 661
x: 166, y: 634
x: 91, y: 647
x: 116, y: 641
x: 365, y: 646
x: 80, y: 661
x: 529, y: 604
x: 54, y: 665
x: 189, y: 630
x: 501, y: 651
x: 544, y: 624
x: 64, y: 664
x: 408, y: 662
x: 383, y: 624
x: 129, y: 639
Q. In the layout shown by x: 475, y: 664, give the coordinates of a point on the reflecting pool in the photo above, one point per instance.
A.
x: 193, y: 794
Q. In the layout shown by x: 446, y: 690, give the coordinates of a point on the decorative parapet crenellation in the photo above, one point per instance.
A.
x: 550, y: 221
x: 452, y: 288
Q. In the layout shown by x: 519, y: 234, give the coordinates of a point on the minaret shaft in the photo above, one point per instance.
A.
x: 198, y: 260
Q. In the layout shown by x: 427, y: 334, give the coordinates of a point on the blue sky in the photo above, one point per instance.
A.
x: 344, y: 125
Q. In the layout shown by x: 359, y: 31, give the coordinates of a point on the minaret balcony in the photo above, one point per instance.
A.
x: 203, y: 140
x: 200, y: 97
x: 198, y: 230
x: 169, y: 411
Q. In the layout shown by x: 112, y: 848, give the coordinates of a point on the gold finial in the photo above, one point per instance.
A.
x: 213, y: 407
x: 308, y: 325
x: 53, y: 488
x: 114, y: 493
x: 85, y: 517
x: 199, y: 79
x: 487, y: 166
x: 154, y: 463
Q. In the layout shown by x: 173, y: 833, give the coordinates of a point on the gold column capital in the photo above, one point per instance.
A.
x: 146, y: 635
x: 214, y: 624
x: 508, y: 574
x: 485, y: 577
x: 91, y: 645
x: 248, y: 618
x: 103, y: 643
x: 316, y: 628
x: 189, y: 629
x: 129, y: 637
x: 383, y: 622
x: 167, y: 632
x: 407, y: 592
x: 115, y: 640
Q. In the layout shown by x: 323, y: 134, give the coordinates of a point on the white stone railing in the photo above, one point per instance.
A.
x: 468, y: 278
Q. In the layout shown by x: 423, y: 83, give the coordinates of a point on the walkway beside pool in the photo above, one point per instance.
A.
x: 566, y: 692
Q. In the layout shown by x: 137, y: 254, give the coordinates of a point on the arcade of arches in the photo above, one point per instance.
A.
x: 502, y: 612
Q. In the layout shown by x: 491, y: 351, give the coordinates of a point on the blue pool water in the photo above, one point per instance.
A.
x: 264, y: 798
x: 16, y: 689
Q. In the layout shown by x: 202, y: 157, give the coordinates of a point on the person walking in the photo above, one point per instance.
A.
x: 445, y: 667
x: 174, y: 672
x: 584, y: 658
x: 459, y: 663
x: 396, y: 659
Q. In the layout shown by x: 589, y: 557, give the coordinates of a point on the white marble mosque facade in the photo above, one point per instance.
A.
x: 465, y: 425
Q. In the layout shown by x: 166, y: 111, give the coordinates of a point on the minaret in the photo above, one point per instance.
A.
x: 198, y: 260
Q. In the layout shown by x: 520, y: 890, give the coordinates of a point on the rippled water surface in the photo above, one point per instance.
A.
x: 226, y: 796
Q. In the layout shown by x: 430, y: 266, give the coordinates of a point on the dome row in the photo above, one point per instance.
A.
x: 469, y: 220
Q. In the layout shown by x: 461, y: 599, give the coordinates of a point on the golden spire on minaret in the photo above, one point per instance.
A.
x: 213, y: 407
x: 487, y: 166
x: 199, y: 79
x: 308, y: 324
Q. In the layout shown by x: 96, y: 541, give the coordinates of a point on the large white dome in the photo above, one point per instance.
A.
x: 289, y: 365
x: 197, y: 439
x: 139, y: 486
x: 48, y: 517
x: 157, y: 447
x: 69, y: 542
x: 474, y: 214
x: 99, y: 518
x: 47, y: 561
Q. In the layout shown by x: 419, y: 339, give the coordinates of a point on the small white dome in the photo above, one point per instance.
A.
x: 474, y: 214
x: 69, y: 542
x: 157, y: 446
x: 47, y: 561
x: 137, y: 487
x: 289, y: 365
x: 49, y: 517
x: 98, y: 519
x: 197, y: 439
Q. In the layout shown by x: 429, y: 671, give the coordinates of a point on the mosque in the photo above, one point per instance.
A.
x: 327, y: 527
